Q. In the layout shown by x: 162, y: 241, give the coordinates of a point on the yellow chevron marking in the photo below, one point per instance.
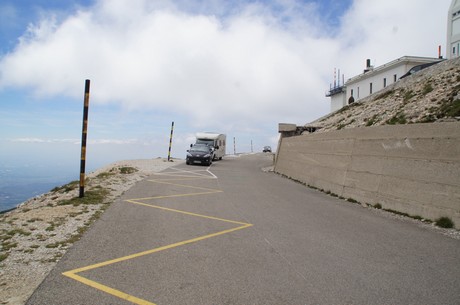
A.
x: 73, y: 274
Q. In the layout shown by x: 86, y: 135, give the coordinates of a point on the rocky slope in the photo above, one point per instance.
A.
x: 431, y: 95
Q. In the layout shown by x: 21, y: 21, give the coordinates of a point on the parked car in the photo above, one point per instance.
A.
x: 267, y: 149
x: 200, y: 154
x: 418, y: 68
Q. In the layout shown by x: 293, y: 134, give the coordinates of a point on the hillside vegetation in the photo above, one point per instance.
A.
x: 429, y: 96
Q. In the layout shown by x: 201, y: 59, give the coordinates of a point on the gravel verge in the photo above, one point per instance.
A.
x: 37, y: 234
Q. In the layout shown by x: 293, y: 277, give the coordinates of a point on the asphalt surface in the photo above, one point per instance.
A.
x: 234, y: 234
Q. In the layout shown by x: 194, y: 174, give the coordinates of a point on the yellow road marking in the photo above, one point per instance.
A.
x: 177, y: 195
x: 185, y: 212
x: 187, y: 186
x: 183, y: 178
x: 202, y: 173
x: 188, y: 176
x: 135, y: 300
x: 143, y: 253
x: 107, y: 289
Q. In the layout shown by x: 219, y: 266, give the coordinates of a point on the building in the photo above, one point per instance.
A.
x: 373, y: 80
x: 376, y: 79
x: 453, y: 30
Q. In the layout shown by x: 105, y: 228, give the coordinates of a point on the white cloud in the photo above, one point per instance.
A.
x: 89, y: 142
x: 29, y: 140
x: 385, y: 30
x: 239, y: 70
x: 116, y: 142
x: 44, y: 140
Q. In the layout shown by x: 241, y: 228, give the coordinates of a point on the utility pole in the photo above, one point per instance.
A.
x: 83, y: 139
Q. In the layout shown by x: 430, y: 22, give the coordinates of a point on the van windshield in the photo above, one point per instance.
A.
x: 203, y: 148
x: 206, y: 142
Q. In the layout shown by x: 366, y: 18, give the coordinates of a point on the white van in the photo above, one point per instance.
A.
x: 216, y: 140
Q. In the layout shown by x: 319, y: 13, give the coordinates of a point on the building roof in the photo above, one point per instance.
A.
x: 391, y: 65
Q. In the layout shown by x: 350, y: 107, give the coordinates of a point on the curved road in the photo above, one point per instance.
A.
x: 233, y: 234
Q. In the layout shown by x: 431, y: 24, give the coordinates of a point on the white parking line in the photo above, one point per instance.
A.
x: 211, y: 172
x: 192, y: 172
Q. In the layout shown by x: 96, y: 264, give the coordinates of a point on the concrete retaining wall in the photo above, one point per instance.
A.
x: 413, y: 169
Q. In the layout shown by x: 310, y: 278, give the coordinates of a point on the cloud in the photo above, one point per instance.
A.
x: 385, y: 30
x: 89, y: 142
x: 43, y: 140
x: 117, y: 142
x: 251, y: 66
x: 57, y: 141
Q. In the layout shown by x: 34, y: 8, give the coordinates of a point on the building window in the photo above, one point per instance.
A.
x: 395, y: 78
x: 370, y: 88
x: 384, y: 82
x: 358, y: 92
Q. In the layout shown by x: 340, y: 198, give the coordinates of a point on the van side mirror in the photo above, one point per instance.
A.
x: 191, y: 145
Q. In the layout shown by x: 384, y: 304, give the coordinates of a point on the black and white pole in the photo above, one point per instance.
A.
x: 83, y: 139
x: 234, y: 146
x: 170, y: 141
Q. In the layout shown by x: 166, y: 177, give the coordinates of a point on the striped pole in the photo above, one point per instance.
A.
x: 170, y: 141
x: 234, y: 146
x: 83, y: 139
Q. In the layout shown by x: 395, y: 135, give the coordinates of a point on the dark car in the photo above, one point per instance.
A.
x: 267, y: 149
x: 200, y: 154
x: 418, y: 68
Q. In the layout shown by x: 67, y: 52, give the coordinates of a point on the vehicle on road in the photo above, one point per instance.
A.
x: 200, y: 154
x: 267, y: 149
x: 215, y: 140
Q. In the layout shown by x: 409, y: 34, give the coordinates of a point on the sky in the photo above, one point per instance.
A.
x: 235, y: 67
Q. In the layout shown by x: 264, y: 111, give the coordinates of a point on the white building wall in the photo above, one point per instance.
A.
x: 360, y: 85
x: 453, y: 30
x: 338, y: 101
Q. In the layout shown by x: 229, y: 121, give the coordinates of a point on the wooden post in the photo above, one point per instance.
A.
x: 83, y: 139
x: 170, y: 141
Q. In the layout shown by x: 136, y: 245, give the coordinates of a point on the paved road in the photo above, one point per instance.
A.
x: 234, y: 234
